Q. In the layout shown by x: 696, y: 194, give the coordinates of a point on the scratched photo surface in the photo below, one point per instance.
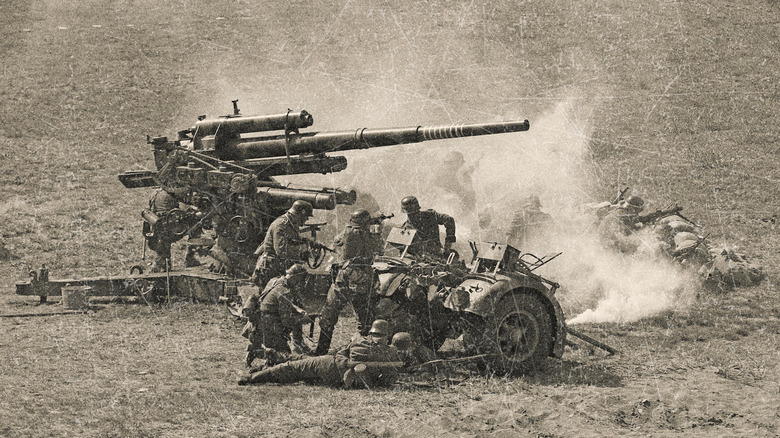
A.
x: 676, y: 102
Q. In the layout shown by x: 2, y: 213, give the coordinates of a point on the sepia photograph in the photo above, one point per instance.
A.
x: 433, y: 218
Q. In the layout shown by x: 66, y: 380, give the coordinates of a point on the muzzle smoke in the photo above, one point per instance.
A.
x: 484, y: 181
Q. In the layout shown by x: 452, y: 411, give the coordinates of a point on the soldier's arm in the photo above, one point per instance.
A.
x: 449, y: 226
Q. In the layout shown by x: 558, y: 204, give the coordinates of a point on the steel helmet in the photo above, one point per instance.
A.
x: 402, y: 341
x: 380, y: 327
x: 410, y: 205
x: 296, y: 269
x: 360, y: 217
x: 301, y: 208
x: 635, y: 201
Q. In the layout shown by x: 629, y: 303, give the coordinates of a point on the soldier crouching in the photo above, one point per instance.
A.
x: 276, y: 315
x: 282, y: 246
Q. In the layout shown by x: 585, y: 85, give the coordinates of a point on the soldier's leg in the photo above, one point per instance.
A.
x: 321, y: 369
x: 275, y: 341
x: 363, y: 302
x: 163, y: 260
x: 255, y: 348
x: 330, y: 316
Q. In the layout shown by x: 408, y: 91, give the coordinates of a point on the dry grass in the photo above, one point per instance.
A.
x: 684, y: 99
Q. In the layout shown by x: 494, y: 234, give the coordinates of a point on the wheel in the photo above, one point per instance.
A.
x: 517, y: 337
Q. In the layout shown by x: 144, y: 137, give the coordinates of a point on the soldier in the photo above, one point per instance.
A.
x: 160, y: 239
x: 412, y: 353
x: 619, y: 225
x: 275, y: 315
x: 528, y: 220
x: 455, y: 178
x: 427, y: 225
x: 282, y: 246
x: 356, y: 248
x: 379, y: 361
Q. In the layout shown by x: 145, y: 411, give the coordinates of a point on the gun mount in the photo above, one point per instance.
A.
x: 228, y: 164
x: 503, y: 310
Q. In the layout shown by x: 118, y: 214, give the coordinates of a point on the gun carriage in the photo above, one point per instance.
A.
x: 223, y: 170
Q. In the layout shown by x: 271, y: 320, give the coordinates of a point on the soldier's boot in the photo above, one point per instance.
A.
x: 250, y: 357
x: 252, y: 353
x: 349, y: 378
x: 272, y: 357
x: 245, y: 380
x: 323, y: 343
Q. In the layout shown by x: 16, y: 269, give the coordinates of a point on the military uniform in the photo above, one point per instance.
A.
x: 273, y: 317
x: 331, y: 370
x: 617, y: 230
x: 524, y: 223
x: 279, y: 250
x: 356, y: 248
x: 427, y: 222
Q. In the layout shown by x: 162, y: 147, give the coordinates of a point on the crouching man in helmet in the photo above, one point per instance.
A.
x: 282, y: 247
x: 356, y: 248
x: 367, y: 361
x: 276, y: 315
x: 427, y: 222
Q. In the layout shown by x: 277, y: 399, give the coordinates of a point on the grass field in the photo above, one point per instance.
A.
x: 676, y: 100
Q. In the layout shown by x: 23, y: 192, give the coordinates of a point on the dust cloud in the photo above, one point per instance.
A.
x: 491, y: 181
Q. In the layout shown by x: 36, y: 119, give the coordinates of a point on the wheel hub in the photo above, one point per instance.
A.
x: 518, y: 336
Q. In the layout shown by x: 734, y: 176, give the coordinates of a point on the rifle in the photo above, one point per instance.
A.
x: 361, y: 367
x: 621, y: 195
x: 658, y: 214
x: 312, y: 228
x: 378, y: 220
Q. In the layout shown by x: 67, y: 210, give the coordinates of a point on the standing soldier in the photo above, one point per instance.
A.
x: 427, y: 225
x: 282, y: 246
x: 159, y: 236
x: 276, y: 315
x: 529, y: 220
x: 356, y: 248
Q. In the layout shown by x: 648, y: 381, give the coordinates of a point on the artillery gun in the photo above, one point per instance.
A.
x: 222, y: 169
x: 504, y: 311
x: 226, y: 166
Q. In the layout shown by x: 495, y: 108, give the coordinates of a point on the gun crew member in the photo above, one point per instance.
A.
x: 427, y: 222
x: 367, y: 360
x: 282, y: 247
x: 276, y: 315
x: 356, y: 247
x: 617, y: 227
x: 160, y: 238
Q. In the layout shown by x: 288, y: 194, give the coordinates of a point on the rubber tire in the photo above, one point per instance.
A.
x: 517, y: 315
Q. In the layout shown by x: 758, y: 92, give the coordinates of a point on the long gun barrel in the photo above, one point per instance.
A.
x: 233, y: 148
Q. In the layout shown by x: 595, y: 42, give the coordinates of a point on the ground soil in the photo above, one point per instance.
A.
x: 682, y: 99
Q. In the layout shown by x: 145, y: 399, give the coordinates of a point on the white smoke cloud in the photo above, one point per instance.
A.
x: 551, y: 161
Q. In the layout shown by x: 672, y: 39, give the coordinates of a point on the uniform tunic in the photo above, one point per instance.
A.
x: 329, y: 369
x: 427, y: 223
x: 356, y: 248
x: 279, y: 250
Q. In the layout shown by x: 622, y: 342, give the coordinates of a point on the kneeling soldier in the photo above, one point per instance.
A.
x: 275, y: 315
